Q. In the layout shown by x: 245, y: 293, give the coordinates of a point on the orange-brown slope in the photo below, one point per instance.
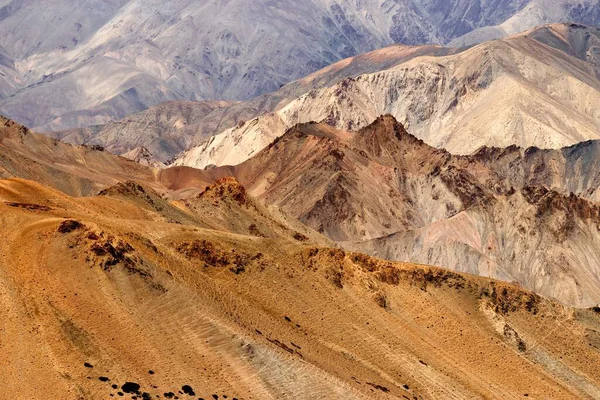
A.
x: 94, y: 298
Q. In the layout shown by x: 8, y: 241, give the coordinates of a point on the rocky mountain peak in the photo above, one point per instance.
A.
x: 224, y: 189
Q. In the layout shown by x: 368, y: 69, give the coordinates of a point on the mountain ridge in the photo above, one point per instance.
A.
x: 459, y: 102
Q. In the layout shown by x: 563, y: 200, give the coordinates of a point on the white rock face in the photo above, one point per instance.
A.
x: 535, y: 13
x: 536, y: 89
x: 68, y: 64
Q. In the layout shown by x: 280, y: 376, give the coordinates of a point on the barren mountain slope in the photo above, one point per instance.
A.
x: 105, y: 295
x: 142, y: 155
x: 542, y: 240
x: 76, y: 170
x: 534, y: 89
x: 86, y: 170
x: 385, y: 192
x: 164, y: 130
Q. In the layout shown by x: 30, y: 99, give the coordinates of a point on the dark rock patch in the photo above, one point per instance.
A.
x: 69, y: 226
x: 379, y: 387
x: 282, y: 345
x: 113, y: 252
x: 211, y: 255
x: 30, y: 207
x: 300, y: 237
x: 130, y: 387
x: 187, y: 389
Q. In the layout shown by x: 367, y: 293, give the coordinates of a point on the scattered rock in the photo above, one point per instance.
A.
x: 281, y: 345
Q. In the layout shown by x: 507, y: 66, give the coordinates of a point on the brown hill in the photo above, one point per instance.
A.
x: 77, y: 170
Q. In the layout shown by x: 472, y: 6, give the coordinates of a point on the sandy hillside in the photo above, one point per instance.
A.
x: 125, y: 287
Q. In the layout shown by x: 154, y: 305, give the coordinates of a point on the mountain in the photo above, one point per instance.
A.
x: 170, y: 128
x: 528, y: 216
x: 87, y: 170
x: 534, y: 89
x: 385, y: 192
x: 129, y: 295
x: 68, y: 65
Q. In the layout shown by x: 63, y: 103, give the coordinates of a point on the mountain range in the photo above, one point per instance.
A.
x: 384, y: 192
x: 66, y: 65
x: 533, y: 89
x: 326, y: 199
